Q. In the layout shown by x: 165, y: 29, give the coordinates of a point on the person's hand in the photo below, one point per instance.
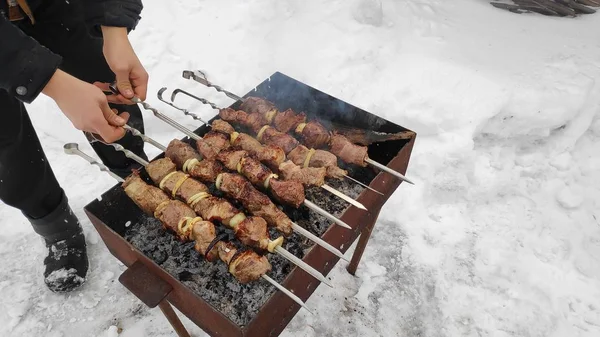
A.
x: 86, y: 106
x: 131, y: 77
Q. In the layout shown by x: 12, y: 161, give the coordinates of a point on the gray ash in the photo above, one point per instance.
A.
x: 211, y: 281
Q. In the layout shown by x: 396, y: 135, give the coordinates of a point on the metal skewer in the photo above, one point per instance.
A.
x: 73, y: 149
x: 185, y: 111
x: 200, y: 77
x: 204, y: 101
x: 278, y: 249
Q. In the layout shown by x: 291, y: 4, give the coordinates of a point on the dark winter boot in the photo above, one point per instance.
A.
x: 67, y: 263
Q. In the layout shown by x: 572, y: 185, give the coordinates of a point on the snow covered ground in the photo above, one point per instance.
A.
x: 500, y: 236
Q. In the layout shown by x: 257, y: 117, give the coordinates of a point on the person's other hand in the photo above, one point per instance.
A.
x: 86, y: 106
x: 131, y: 77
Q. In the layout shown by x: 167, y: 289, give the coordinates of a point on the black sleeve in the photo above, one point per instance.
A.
x: 114, y: 13
x: 25, y: 65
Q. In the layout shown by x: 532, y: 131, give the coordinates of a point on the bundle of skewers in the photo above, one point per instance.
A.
x: 185, y: 209
x: 306, y: 143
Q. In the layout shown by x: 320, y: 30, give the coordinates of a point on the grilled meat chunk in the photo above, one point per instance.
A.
x: 308, y: 176
x: 273, y: 137
x: 287, y: 192
x: 219, y: 125
x: 171, y: 213
x: 253, y: 232
x: 319, y: 158
x: 288, y: 120
x: 215, y: 209
x: 145, y: 196
x: 257, y: 203
x: 257, y: 104
x: 249, y: 266
x: 160, y: 168
x: 211, y: 144
x: 179, y: 152
x: 231, y: 158
x: 269, y: 155
x: 313, y: 134
x: 203, y: 234
x: 348, y: 152
x: 206, y: 170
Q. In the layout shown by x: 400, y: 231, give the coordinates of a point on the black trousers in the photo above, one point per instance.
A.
x: 27, y: 181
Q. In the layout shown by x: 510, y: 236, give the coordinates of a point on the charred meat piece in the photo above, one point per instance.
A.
x: 245, y: 266
x: 215, y: 209
x: 257, y: 105
x: 231, y: 158
x: 171, y: 213
x: 254, y: 171
x: 348, y: 152
x: 319, y: 158
x: 211, y: 144
x: 257, y: 203
x: 233, y: 116
x: 287, y: 192
x: 145, y: 196
x: 308, y: 176
x: 206, y: 170
x: 179, y: 152
x: 160, y: 168
x: 203, y: 234
x: 313, y: 134
x: 288, y: 120
x: 273, y: 137
x: 253, y: 232
x: 269, y: 155
x: 219, y: 125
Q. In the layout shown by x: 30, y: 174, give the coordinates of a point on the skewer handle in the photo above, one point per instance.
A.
x: 185, y: 111
x: 147, y: 139
x: 343, y: 196
x: 388, y: 170
x: 201, y: 100
x: 200, y: 77
x: 73, y: 149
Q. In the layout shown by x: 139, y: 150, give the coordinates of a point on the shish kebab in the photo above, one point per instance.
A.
x: 210, y: 166
x: 163, y: 172
x: 180, y: 155
x: 204, y: 169
x: 312, y: 133
x: 178, y: 218
x: 268, y: 135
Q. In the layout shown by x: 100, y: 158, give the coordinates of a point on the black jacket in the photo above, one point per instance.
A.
x: 26, y: 66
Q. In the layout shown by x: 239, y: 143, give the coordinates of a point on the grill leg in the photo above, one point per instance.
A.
x: 362, y: 244
x: 168, y: 311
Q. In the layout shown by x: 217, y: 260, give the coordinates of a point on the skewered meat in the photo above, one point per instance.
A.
x: 180, y: 152
x: 270, y: 155
x: 146, y: 197
x: 256, y: 104
x: 271, y: 136
x: 180, y: 219
x: 313, y: 134
x: 317, y: 158
x: 218, y: 125
x: 287, y: 120
x: 286, y: 192
x: 171, y: 212
x: 350, y: 153
x: 211, y: 144
x: 257, y: 203
x: 246, y: 266
x: 309, y: 176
